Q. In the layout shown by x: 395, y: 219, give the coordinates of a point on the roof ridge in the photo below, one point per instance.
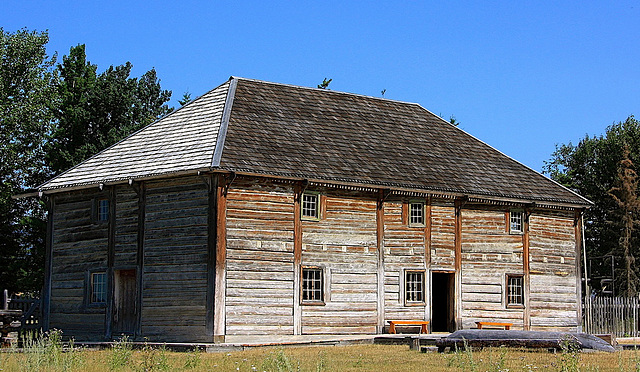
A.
x: 328, y: 91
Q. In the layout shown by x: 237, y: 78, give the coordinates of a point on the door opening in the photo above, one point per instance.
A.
x: 442, y: 302
x: 124, y: 315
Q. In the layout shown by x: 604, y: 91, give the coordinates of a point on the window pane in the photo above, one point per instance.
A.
x: 516, y: 222
x: 103, y: 210
x: 515, y: 290
x: 310, y: 205
x: 312, y: 288
x: 414, y: 286
x: 416, y: 214
x: 98, y: 288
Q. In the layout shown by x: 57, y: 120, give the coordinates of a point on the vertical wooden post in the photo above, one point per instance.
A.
x: 220, y: 317
x: 427, y: 259
x: 212, y: 228
x: 380, y: 248
x: 577, y: 223
x: 297, y: 258
x: 526, y: 271
x: 458, y: 204
x: 48, y: 266
x: 142, y: 205
x: 111, y: 256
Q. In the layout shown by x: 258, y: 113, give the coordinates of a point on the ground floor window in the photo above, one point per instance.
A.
x: 414, y: 286
x: 312, y: 285
x: 98, y: 288
x: 515, y: 290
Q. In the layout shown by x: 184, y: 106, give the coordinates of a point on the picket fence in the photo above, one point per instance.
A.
x: 611, y: 315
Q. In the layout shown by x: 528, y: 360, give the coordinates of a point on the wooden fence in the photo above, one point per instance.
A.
x: 612, y: 315
x: 30, y: 306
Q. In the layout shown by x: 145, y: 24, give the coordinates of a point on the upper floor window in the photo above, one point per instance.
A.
x: 416, y: 214
x: 310, y: 206
x: 516, y: 222
x: 103, y: 210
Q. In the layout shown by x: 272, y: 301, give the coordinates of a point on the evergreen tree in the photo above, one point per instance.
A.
x: 26, y: 103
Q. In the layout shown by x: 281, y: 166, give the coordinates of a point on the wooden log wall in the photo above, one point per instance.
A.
x: 126, y: 231
x: 443, y: 235
x: 343, y: 242
x: 404, y: 248
x: 553, y: 271
x: 175, y: 260
x: 489, y: 252
x: 259, y: 267
x: 79, y: 246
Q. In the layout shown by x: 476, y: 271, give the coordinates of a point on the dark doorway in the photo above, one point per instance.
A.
x: 124, y: 315
x: 442, y: 302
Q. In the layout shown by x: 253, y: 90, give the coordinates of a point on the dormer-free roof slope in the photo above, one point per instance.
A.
x: 263, y: 128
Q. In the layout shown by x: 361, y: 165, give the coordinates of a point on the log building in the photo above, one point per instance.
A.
x: 269, y: 209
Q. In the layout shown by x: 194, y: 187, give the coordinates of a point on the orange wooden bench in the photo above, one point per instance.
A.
x: 423, y: 323
x: 494, y: 324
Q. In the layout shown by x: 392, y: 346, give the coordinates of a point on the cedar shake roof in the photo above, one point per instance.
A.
x: 262, y: 128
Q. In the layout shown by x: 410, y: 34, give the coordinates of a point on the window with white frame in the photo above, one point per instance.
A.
x: 98, y: 288
x: 103, y: 210
x: 414, y: 286
x: 310, y: 206
x: 416, y: 214
x: 312, y: 285
x: 515, y: 290
x: 516, y: 222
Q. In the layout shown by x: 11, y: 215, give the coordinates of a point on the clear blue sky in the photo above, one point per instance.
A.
x: 519, y: 75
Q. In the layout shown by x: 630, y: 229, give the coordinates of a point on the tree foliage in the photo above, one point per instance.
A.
x: 97, y: 110
x: 592, y: 168
x: 26, y: 101
x: 53, y: 116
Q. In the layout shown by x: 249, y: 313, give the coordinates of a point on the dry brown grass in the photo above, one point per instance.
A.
x: 342, y: 358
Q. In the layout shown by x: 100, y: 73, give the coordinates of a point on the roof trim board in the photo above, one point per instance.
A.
x: 224, y: 124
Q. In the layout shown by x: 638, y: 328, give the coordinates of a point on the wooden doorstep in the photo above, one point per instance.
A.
x: 423, y: 323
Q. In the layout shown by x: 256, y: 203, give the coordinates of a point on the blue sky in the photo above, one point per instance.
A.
x: 519, y: 75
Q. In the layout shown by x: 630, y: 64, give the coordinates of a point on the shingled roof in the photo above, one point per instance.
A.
x: 261, y: 128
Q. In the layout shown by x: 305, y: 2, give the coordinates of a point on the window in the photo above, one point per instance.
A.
x: 98, y: 288
x: 103, y: 210
x: 312, y: 285
x: 414, y: 286
x: 516, y: 222
x: 416, y: 214
x: 310, y: 206
x: 515, y: 290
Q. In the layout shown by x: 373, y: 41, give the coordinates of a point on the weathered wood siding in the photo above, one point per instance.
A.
x: 126, y: 227
x: 79, y: 246
x: 554, y: 298
x: 443, y: 235
x: 259, y: 258
x: 343, y: 242
x: 404, y: 248
x: 489, y: 253
x: 175, y: 257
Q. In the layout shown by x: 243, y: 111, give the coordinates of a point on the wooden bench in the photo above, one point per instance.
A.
x: 423, y: 323
x: 494, y: 324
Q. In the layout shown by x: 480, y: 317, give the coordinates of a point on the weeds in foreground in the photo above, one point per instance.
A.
x: 280, y: 362
x: 463, y: 358
x: 570, y: 356
x: 121, y: 353
x: 45, y: 350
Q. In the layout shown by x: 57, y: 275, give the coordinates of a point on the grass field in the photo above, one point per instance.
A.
x: 347, y: 358
x: 49, y: 355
